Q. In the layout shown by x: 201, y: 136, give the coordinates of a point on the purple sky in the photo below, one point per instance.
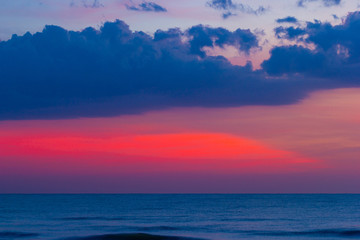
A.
x: 179, y: 96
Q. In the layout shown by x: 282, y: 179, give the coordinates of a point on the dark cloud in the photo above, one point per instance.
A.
x: 328, y: 37
x: 202, y: 36
x: 326, y: 3
x: 59, y: 73
x: 230, y: 8
x: 290, y: 33
x: 336, y: 52
x: 298, y: 60
x: 147, y: 7
x: 288, y: 19
x: 64, y: 74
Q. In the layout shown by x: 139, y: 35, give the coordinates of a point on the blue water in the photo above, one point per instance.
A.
x: 178, y: 216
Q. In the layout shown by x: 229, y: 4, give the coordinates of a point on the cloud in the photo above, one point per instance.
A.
x: 288, y: 19
x: 226, y: 15
x: 335, y: 53
x: 222, y: 4
x: 329, y: 3
x: 290, y: 33
x: 335, y: 16
x: 58, y: 73
x: 202, y: 36
x: 230, y: 9
x: 147, y: 7
x: 298, y: 59
x: 88, y: 3
x: 326, y: 3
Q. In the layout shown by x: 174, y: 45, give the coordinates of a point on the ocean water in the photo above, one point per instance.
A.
x: 180, y: 216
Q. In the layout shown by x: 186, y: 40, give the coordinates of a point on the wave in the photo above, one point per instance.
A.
x: 315, y: 233
x: 157, y: 228
x: 255, y: 219
x: 9, y: 235
x: 90, y: 218
x: 132, y: 236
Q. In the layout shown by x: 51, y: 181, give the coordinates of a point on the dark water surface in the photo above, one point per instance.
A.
x: 180, y: 216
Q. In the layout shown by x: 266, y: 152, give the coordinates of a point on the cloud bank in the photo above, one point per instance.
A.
x: 58, y: 73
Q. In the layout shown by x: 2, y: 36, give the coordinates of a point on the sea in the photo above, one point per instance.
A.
x: 179, y: 216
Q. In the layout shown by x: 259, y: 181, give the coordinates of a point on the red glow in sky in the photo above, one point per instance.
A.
x: 211, y: 143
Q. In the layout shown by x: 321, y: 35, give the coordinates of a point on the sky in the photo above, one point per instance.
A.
x: 213, y: 96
